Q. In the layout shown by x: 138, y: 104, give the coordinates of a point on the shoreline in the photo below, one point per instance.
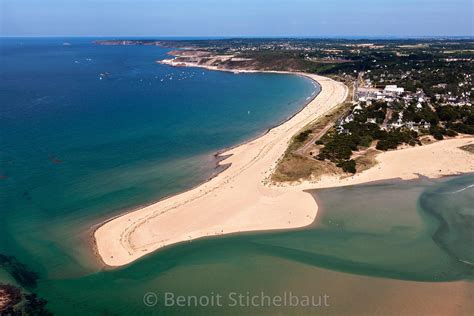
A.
x: 173, y: 63
x: 369, y: 183
x: 218, y: 156
x: 122, y: 244
x: 259, y: 205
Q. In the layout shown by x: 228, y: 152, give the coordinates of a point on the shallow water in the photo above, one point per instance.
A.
x: 356, y: 253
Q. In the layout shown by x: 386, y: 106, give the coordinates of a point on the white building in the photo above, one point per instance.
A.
x: 393, y: 89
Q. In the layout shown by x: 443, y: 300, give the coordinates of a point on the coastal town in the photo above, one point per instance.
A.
x: 393, y: 115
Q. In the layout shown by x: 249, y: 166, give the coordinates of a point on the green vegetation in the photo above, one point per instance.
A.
x: 9, y: 297
x: 18, y: 303
x: 458, y: 119
x: 293, y: 166
x: 339, y: 148
x: 357, y: 133
x: 416, y: 120
x: 21, y: 302
x: 395, y: 138
x: 348, y: 166
x: 303, y: 136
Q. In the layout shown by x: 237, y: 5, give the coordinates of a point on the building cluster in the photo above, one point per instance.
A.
x: 240, y: 47
x: 390, y: 93
x: 462, y: 98
x: 396, y: 99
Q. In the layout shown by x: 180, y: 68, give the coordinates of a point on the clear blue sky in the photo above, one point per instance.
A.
x: 236, y: 17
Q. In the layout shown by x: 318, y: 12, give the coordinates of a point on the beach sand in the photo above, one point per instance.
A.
x: 441, y: 158
x: 242, y: 198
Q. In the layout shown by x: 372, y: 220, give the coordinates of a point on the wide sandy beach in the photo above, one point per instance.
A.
x: 241, y: 198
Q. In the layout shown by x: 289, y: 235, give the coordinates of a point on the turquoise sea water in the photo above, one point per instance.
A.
x: 90, y: 130
x: 77, y: 149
